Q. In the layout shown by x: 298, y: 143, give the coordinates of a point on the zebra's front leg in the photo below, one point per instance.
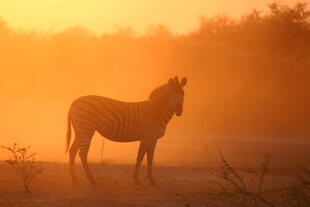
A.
x: 140, y: 156
x: 150, y: 156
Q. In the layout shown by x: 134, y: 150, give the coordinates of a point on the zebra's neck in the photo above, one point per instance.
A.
x: 162, y: 111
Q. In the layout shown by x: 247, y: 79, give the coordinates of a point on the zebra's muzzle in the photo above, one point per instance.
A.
x: 178, y: 109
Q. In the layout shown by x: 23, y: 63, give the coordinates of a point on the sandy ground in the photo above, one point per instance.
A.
x: 181, y: 185
x: 177, y: 186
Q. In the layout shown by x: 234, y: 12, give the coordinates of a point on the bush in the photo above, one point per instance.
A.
x: 241, y: 191
x: 24, y: 163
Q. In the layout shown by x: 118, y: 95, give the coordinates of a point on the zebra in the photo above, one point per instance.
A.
x: 120, y: 121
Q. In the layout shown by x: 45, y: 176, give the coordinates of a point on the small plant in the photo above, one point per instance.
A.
x: 24, y: 163
x: 298, y: 194
x: 244, y: 192
x: 101, y: 152
x: 238, y: 189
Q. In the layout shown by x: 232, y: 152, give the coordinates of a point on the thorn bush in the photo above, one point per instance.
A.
x: 24, y: 163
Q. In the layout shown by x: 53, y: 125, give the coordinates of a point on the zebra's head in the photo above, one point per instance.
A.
x: 176, y: 94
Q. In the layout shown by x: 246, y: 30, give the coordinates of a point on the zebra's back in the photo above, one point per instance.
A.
x: 116, y: 120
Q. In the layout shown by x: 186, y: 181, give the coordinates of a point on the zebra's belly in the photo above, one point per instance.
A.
x: 118, y: 136
x: 131, y: 133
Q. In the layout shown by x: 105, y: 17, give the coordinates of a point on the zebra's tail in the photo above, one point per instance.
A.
x: 68, y: 132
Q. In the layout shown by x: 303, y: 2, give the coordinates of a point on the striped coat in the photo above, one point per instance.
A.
x: 120, y: 121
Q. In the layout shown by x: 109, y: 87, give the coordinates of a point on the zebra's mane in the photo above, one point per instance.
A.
x: 158, y: 92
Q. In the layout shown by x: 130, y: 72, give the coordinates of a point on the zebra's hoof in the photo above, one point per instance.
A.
x: 153, y: 182
x: 137, y: 182
x: 93, y: 182
x: 75, y: 181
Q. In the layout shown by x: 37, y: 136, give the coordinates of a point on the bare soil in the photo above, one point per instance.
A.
x: 183, y: 183
x: 177, y: 186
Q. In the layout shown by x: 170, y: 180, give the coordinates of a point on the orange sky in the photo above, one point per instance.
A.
x: 102, y: 15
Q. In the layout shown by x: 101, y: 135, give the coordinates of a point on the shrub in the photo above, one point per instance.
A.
x: 24, y: 163
x: 241, y: 191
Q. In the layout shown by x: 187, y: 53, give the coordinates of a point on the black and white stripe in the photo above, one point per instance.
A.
x: 120, y: 121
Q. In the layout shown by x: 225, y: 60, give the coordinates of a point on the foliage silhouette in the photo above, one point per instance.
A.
x: 259, y: 64
x: 242, y: 191
x: 24, y: 164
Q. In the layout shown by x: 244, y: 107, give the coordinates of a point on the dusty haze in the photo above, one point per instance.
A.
x: 243, y: 84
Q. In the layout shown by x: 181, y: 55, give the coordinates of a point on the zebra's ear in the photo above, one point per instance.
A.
x: 176, y: 79
x: 171, y: 82
x: 183, y: 82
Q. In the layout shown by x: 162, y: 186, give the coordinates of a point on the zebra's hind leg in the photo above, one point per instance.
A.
x: 84, y: 148
x: 141, y: 152
x: 73, y: 151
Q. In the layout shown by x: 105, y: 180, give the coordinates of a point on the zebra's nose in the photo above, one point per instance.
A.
x: 178, y: 109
